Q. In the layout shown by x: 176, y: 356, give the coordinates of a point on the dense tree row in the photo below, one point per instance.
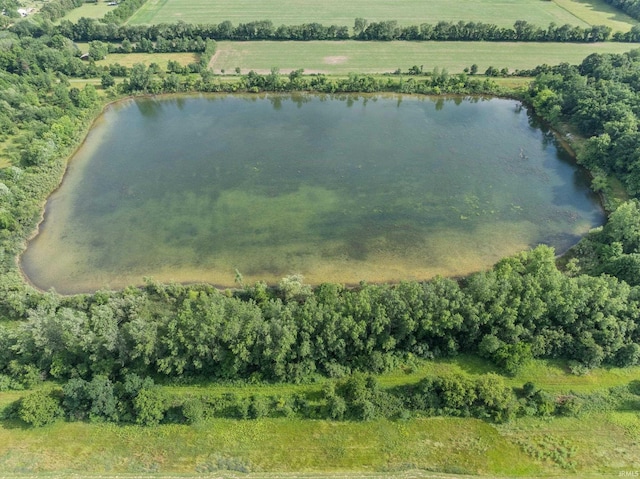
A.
x: 521, y: 31
x: 86, y: 29
x: 357, y: 397
x: 523, y: 308
x: 615, y: 248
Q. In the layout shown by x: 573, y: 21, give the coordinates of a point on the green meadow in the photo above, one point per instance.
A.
x: 161, y: 59
x: 601, y: 443
x: 406, y: 12
x: 89, y: 10
x: 342, y: 57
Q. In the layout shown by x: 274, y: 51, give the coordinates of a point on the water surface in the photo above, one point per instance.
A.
x: 337, y: 189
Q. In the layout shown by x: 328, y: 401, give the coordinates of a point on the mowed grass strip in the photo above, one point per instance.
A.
x: 553, y: 376
x: 161, y: 59
x: 594, y: 445
x: 406, y: 12
x: 342, y: 57
x: 266, y: 445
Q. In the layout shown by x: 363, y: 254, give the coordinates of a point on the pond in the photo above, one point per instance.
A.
x: 336, y: 188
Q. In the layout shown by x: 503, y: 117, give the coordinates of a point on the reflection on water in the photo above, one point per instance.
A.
x: 342, y: 189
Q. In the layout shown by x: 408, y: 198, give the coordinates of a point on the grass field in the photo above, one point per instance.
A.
x: 600, y: 444
x: 88, y: 10
x: 406, y: 12
x: 377, y: 57
x: 597, y: 13
x: 552, y: 376
x: 130, y: 59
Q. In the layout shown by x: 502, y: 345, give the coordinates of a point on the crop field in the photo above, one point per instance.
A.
x: 341, y: 57
x: 406, y: 12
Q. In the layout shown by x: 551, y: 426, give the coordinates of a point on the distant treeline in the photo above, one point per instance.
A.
x: 86, y: 29
x: 56, y: 9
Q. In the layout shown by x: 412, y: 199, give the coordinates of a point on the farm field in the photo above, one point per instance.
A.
x: 343, y: 57
x: 407, y: 12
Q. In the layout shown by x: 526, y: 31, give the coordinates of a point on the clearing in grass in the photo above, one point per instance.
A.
x: 342, y: 57
x: 407, y: 12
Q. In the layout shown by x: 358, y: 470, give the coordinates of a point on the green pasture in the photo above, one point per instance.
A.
x: 269, y: 445
x: 4, y: 162
x: 89, y: 10
x: 406, y: 12
x: 597, y: 13
x: 599, y: 445
x: 553, y: 376
x: 341, y: 57
x: 80, y: 83
x: 5, y: 148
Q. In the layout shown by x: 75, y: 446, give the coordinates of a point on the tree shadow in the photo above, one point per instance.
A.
x: 611, y: 13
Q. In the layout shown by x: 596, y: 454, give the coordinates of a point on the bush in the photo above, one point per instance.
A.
x: 259, y: 407
x: 193, y: 410
x: 150, y: 406
x: 39, y: 408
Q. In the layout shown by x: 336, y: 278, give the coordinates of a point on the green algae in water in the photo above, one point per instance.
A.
x: 337, y: 189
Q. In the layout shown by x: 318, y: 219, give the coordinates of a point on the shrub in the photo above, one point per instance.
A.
x: 39, y: 408
x: 193, y: 410
x: 150, y: 406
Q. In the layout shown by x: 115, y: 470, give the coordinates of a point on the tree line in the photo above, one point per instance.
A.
x: 521, y: 309
x: 111, y: 29
x: 358, y: 397
x: 522, y: 31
